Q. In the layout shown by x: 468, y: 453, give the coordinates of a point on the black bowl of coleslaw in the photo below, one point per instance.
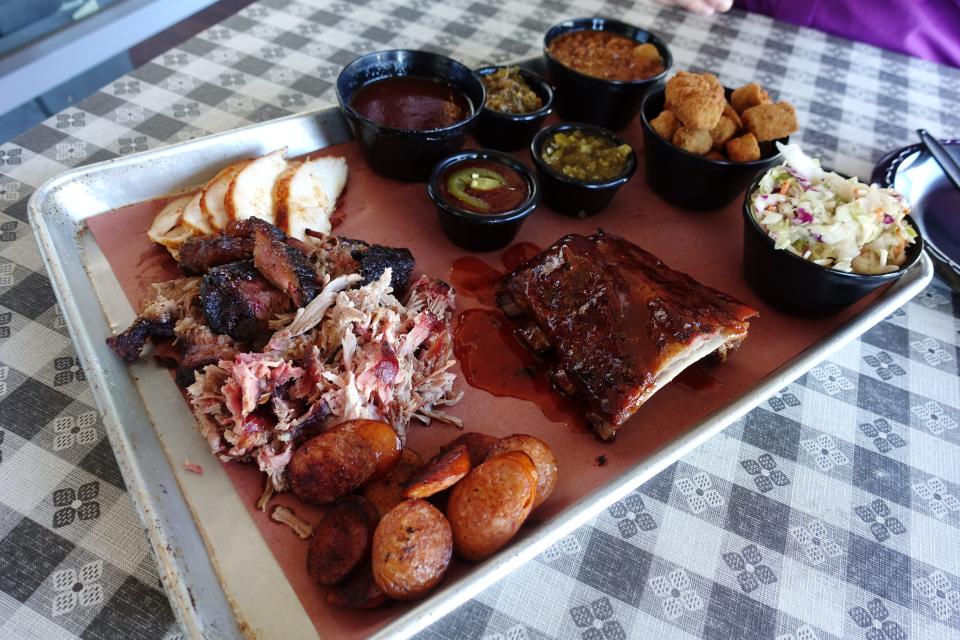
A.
x: 793, y: 284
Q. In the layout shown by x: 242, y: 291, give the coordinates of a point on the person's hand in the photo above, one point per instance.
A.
x: 700, y: 7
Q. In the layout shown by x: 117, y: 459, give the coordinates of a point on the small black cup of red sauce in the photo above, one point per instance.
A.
x: 409, y: 109
x: 482, y: 198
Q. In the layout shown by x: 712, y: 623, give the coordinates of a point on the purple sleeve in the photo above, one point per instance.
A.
x: 928, y: 29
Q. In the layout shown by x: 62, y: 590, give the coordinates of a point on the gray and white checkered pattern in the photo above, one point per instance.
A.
x: 832, y: 511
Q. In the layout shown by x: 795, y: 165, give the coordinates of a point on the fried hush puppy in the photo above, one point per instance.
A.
x: 770, y: 121
x: 695, y: 141
x: 696, y: 100
x: 697, y: 118
x: 666, y: 124
x: 730, y: 112
x: 725, y: 130
x: 743, y: 149
x: 749, y: 95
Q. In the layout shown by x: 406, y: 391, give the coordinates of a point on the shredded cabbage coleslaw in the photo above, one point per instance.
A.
x: 836, y: 222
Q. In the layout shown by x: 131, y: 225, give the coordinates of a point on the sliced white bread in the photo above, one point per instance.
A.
x: 306, y: 195
x: 250, y: 193
x: 212, y: 202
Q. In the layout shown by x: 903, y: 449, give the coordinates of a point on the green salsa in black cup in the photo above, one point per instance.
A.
x: 576, y: 186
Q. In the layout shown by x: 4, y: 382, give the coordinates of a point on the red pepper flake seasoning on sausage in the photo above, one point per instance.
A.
x: 606, y: 55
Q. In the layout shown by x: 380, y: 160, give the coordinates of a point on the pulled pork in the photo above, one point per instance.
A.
x: 262, y: 378
x: 350, y: 353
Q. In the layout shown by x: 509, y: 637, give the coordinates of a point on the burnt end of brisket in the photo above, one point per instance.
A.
x: 166, y: 354
x: 248, y: 226
x: 238, y: 301
x: 375, y: 259
x: 197, y: 356
x: 129, y: 344
x: 185, y: 376
x: 285, y: 267
x: 200, y: 254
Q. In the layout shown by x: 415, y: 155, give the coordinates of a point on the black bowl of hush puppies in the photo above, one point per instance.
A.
x: 705, y: 143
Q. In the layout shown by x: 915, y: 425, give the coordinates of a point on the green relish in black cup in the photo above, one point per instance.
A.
x: 512, y: 115
x: 581, y: 167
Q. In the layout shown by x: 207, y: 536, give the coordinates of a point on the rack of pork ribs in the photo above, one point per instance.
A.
x: 236, y: 282
x: 615, y: 323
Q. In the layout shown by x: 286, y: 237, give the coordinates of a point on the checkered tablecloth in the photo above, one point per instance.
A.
x: 830, y: 511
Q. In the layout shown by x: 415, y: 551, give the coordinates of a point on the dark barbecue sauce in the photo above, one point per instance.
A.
x: 491, y: 356
x: 493, y: 359
x: 411, y: 102
x: 696, y: 378
x: 474, y: 278
x: 515, y: 255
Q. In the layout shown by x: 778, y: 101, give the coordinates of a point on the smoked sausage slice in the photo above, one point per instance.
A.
x: 357, y: 591
x: 330, y: 466
x: 381, y: 437
x: 387, y: 492
x: 542, y: 458
x: 488, y: 506
x: 478, y: 445
x: 341, y: 540
x: 412, y: 547
x: 442, y: 471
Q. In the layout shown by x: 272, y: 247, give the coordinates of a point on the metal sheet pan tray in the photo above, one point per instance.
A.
x: 229, y: 572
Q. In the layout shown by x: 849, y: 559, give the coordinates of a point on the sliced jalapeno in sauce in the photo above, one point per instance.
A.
x: 482, y: 186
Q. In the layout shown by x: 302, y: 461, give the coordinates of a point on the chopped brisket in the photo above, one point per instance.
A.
x: 169, y: 303
x: 238, y: 301
x: 200, y: 254
x: 377, y: 259
x: 284, y: 267
x: 129, y: 344
x: 245, y: 228
x: 371, y: 260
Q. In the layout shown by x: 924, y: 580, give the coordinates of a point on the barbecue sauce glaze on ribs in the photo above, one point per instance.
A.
x: 616, y: 322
